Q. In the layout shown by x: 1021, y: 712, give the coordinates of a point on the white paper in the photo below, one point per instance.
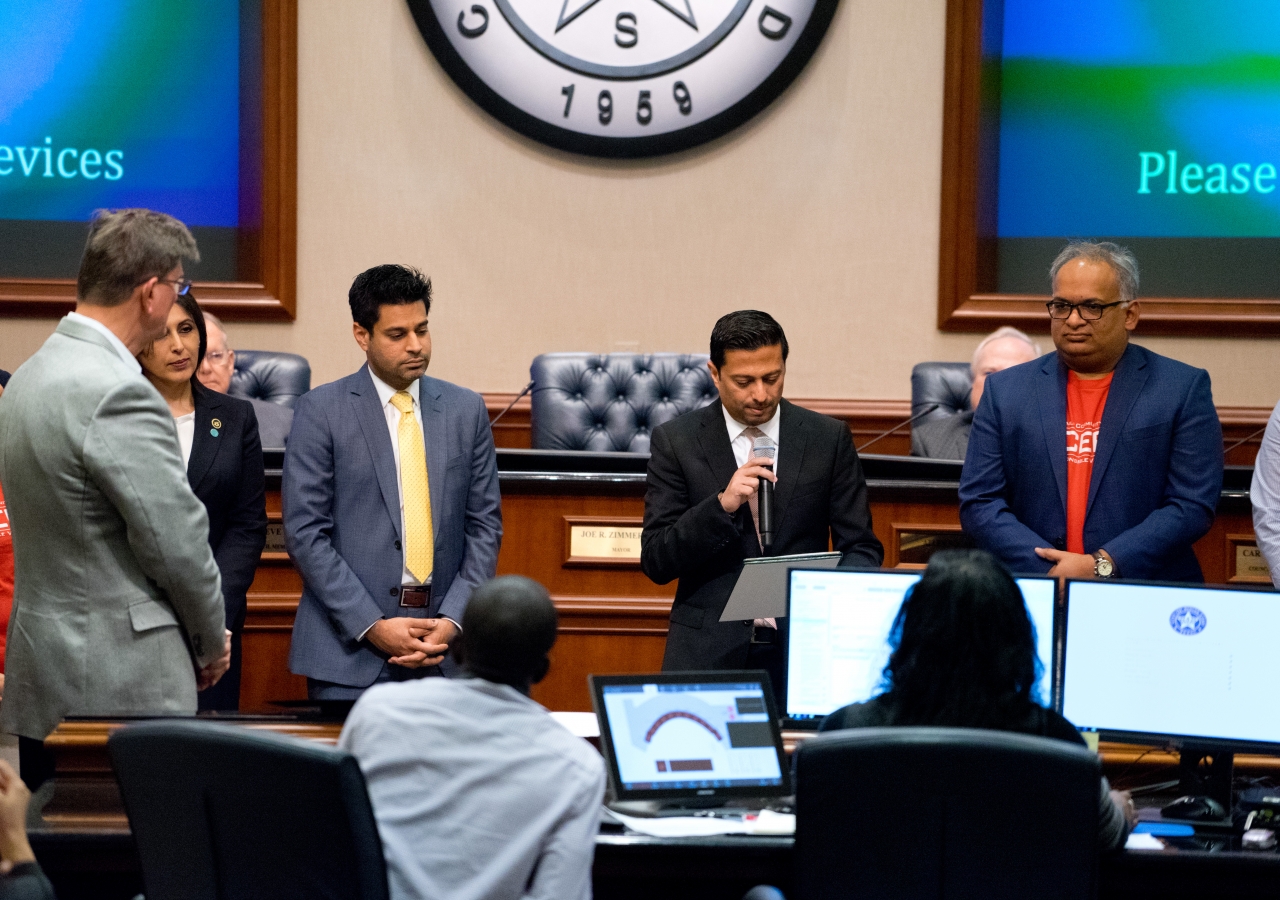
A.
x: 580, y: 724
x: 1143, y: 841
x: 767, y: 822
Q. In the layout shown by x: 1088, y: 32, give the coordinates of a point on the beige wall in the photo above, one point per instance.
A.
x: 823, y: 210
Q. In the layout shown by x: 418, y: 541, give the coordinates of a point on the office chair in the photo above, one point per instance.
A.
x: 226, y: 813
x: 955, y: 813
x: 945, y: 383
x: 267, y: 375
x: 588, y: 401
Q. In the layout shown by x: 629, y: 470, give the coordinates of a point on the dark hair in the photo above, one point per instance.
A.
x: 388, y: 285
x: 507, y: 631
x: 189, y: 305
x: 126, y: 247
x: 746, y: 329
x: 964, y: 648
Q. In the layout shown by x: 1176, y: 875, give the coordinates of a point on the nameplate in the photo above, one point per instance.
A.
x: 275, y: 539
x: 1245, y: 561
x: 913, y: 544
x: 602, y: 541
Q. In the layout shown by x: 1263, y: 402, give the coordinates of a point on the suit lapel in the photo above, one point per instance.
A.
x: 793, y: 438
x: 1126, y: 384
x: 717, y: 454
x: 1053, y: 419
x: 373, y: 422
x: 204, y: 446
x: 435, y: 431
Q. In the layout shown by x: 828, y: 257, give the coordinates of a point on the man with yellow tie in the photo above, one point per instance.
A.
x: 391, y: 506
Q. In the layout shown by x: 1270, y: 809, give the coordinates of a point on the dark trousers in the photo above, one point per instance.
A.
x: 35, y: 763
x: 771, y: 658
x: 225, y: 695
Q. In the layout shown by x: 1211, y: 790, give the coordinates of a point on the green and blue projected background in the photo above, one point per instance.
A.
x: 116, y: 103
x: 1155, y: 122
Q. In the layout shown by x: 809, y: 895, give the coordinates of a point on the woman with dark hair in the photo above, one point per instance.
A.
x: 964, y: 656
x: 218, y: 436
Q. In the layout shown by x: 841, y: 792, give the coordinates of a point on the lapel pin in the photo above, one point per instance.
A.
x: 213, y: 431
x: 217, y: 423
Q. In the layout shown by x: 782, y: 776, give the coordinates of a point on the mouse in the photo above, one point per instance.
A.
x: 1194, y: 809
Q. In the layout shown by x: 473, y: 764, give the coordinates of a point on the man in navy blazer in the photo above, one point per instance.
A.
x: 365, y: 617
x: 1122, y: 494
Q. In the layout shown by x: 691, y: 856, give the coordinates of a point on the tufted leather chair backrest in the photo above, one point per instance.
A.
x: 944, y: 383
x: 267, y: 375
x: 588, y: 401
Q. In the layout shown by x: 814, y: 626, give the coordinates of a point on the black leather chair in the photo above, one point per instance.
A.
x: 226, y: 813
x: 587, y: 401
x: 945, y: 383
x: 955, y: 813
x: 267, y: 375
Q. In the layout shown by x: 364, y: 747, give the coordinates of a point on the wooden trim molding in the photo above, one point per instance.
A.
x: 967, y: 253
x: 269, y: 163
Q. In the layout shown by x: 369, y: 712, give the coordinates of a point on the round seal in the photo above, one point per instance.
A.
x: 1187, y: 620
x: 623, y: 78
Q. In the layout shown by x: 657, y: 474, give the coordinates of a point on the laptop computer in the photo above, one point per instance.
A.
x: 838, y: 637
x: 677, y: 742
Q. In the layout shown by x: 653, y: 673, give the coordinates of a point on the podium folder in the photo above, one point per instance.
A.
x: 761, y: 589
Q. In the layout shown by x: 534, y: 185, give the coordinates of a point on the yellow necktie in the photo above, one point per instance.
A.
x: 419, y: 540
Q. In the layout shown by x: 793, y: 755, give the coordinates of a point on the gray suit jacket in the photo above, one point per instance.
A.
x: 117, y: 596
x: 342, y: 518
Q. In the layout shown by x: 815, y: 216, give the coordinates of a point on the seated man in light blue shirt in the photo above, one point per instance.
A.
x: 479, y: 794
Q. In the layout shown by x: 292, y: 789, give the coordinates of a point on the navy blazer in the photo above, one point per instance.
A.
x: 342, y: 518
x: 1157, y: 471
x: 226, y: 472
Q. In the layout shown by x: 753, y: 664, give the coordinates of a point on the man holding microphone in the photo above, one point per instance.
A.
x: 703, y: 507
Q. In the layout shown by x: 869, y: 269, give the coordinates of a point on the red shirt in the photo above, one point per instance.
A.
x: 1086, y: 399
x: 6, y: 575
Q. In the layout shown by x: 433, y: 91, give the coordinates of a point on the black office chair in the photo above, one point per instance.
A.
x: 225, y: 813
x: 956, y: 813
x: 588, y: 401
x: 267, y: 375
x: 946, y: 384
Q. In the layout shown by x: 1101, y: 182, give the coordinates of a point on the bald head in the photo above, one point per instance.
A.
x: 507, y: 631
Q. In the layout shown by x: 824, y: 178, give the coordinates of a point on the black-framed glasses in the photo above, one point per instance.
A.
x: 1089, y: 311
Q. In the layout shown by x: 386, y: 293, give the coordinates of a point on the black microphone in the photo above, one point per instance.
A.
x: 764, y: 446
x: 528, y: 387
x: 924, y: 412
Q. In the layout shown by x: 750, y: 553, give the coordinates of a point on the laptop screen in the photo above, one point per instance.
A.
x: 838, y: 637
x: 690, y: 733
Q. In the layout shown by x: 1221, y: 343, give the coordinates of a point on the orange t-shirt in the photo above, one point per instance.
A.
x: 6, y: 575
x: 1086, y: 399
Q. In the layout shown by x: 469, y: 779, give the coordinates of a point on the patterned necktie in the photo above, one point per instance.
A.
x: 419, y: 541
x: 753, y: 432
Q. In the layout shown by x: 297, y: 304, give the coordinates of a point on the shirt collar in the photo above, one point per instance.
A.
x: 386, y: 391
x: 771, y: 428
x: 116, y: 344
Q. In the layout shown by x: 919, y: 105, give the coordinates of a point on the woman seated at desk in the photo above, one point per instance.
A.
x: 223, y: 454
x: 965, y: 657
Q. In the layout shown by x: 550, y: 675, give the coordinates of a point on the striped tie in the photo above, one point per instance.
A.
x: 419, y: 541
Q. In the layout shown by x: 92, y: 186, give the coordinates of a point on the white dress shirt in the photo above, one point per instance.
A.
x: 1265, y: 496
x: 742, y: 443
x: 479, y: 794
x: 118, y: 345
x: 385, y: 393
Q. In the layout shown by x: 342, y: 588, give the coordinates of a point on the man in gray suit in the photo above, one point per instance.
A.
x: 391, y: 504
x: 118, y: 602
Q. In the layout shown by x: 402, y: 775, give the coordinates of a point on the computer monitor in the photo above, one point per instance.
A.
x: 1185, y: 666
x: 838, y: 636
x: 691, y: 738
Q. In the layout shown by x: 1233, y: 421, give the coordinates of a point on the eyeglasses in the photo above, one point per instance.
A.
x: 1090, y: 311
x: 218, y: 357
x: 180, y: 285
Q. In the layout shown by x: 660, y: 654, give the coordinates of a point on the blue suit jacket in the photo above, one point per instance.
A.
x: 342, y: 518
x: 1157, y: 472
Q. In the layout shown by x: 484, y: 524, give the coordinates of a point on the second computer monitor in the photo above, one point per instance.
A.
x: 838, y: 635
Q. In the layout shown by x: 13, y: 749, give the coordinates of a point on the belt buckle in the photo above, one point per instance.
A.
x: 415, y: 596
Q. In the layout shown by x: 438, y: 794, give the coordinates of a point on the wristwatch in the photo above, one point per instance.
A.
x: 1102, y: 567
